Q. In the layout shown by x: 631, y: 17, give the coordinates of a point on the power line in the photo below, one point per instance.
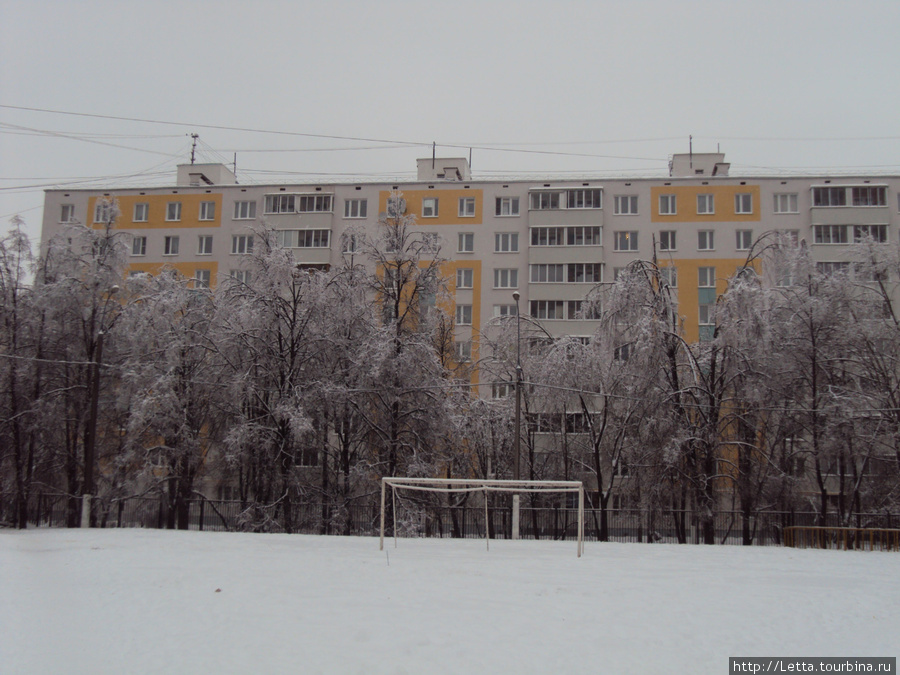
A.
x: 211, y: 126
x: 59, y: 134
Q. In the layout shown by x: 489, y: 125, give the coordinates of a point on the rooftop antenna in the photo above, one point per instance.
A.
x: 234, y: 167
x: 470, y: 159
x: 691, y: 149
x: 433, y: 150
x: 194, y: 146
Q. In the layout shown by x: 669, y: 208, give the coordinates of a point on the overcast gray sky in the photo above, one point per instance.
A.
x: 363, y: 88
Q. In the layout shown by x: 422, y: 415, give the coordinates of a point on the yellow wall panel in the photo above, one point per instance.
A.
x: 157, y: 204
x: 448, y: 205
x: 186, y: 269
x: 686, y: 203
x: 689, y: 289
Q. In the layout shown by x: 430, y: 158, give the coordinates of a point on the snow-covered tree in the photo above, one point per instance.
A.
x: 170, y: 388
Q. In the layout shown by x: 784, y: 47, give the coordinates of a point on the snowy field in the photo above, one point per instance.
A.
x: 149, y: 601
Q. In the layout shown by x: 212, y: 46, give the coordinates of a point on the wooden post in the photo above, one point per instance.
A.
x: 381, y: 539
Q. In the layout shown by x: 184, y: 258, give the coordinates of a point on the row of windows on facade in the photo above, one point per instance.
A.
x: 593, y: 273
x: 240, y: 245
x: 787, y: 202
x: 203, y: 277
x: 505, y: 206
x: 573, y: 273
x: 508, y: 242
x: 547, y: 310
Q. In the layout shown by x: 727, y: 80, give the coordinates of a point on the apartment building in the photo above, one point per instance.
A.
x: 551, y: 240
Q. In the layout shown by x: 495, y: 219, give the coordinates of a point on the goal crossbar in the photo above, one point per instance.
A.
x: 483, y: 485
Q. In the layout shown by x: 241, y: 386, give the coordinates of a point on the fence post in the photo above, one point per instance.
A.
x: 202, y: 504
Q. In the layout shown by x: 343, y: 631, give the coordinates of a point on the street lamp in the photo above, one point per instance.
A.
x: 90, y: 441
x: 518, y: 437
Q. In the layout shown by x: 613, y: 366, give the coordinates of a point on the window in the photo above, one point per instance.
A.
x: 507, y: 206
x: 67, y: 213
x: 584, y: 273
x: 667, y: 240
x: 501, y: 389
x: 240, y: 276
x: 744, y: 240
x: 506, y: 278
x: 314, y: 204
x: 869, y: 196
x: 202, y: 278
x: 705, y: 204
x: 431, y: 242
x: 669, y: 275
x: 583, y: 235
x: 504, y: 310
x: 786, y: 203
x: 707, y: 277
x: 788, y: 238
x: 355, y: 208
x: 350, y: 242
x: 877, y: 232
x: 304, y: 238
x: 626, y: 241
x: 430, y: 208
x: 829, y: 196
x: 463, y: 351
x: 548, y: 236
x: 395, y: 207
x: 830, y: 234
x: 103, y: 211
x: 242, y: 244
x: 207, y: 210
x: 313, y: 238
x: 626, y: 205
x: 244, y: 210
x: 590, y: 198
x: 141, y: 212
x: 466, y: 242
x: 506, y: 242
x: 204, y: 246
x: 743, y: 203
x: 465, y: 278
x: 548, y: 309
x: 829, y: 269
x: 784, y: 278
x: 464, y: 315
x: 546, y: 273
x: 868, y: 274
x: 705, y: 240
x: 544, y: 201
x: 173, y: 211
x: 574, y: 310
x: 281, y: 204
x: 170, y: 246
x: 467, y: 207
x: 623, y: 353
x: 139, y: 246
x: 667, y: 205
x: 707, y: 315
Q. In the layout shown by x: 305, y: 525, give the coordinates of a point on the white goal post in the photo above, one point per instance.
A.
x: 484, y: 486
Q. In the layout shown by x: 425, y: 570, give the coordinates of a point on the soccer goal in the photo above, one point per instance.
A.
x: 483, y: 486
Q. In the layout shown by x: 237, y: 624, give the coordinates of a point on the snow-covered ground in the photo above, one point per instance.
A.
x: 149, y: 601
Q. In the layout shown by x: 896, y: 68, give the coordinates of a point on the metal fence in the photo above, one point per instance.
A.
x: 623, y: 525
